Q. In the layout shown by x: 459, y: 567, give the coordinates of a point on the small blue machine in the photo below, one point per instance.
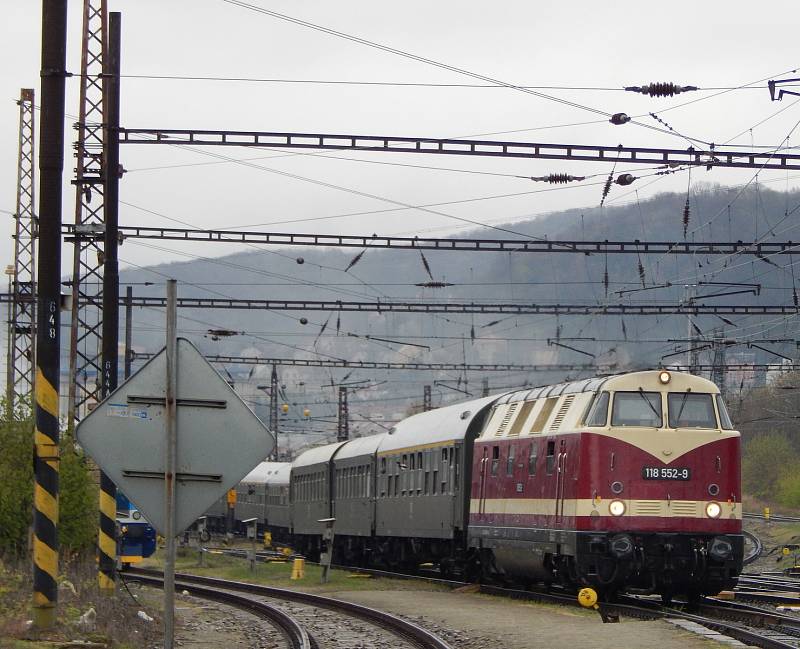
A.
x: 136, y: 538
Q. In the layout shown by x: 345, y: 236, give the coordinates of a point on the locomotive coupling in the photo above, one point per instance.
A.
x: 721, y: 548
x: 621, y: 546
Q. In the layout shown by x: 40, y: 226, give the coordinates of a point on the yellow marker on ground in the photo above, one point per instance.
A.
x: 587, y: 597
x: 298, y: 569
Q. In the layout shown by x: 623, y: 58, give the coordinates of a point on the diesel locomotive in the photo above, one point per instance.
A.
x: 620, y: 483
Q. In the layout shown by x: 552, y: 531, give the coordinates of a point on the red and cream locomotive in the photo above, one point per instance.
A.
x: 629, y: 482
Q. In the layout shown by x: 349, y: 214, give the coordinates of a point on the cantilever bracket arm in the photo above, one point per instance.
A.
x: 772, y: 83
x: 551, y: 342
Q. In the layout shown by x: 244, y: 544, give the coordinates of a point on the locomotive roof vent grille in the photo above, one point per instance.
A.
x: 562, y: 412
x: 521, y: 418
x: 506, y: 418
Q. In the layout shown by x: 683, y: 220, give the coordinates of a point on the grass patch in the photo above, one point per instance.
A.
x: 116, y: 624
x: 279, y: 574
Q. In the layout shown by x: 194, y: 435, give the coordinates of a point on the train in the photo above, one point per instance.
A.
x: 136, y: 538
x: 623, y: 483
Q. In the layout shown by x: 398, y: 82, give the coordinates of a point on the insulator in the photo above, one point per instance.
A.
x: 641, y: 273
x: 794, y: 297
x: 303, y: 321
x: 661, y: 89
x: 607, y: 188
x: 686, y: 217
x: 558, y: 179
x: 619, y: 118
x: 433, y: 284
x: 625, y: 179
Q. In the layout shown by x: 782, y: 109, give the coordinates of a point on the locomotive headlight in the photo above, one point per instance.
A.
x: 713, y: 510
x: 617, y: 508
x: 664, y: 377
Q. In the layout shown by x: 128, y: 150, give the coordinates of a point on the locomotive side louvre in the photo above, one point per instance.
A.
x: 630, y: 480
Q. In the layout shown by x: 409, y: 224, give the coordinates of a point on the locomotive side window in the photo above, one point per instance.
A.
x: 510, y: 461
x: 533, y: 455
x: 598, y: 413
x: 724, y: 417
x: 637, y: 409
x: 495, y: 459
x: 691, y: 410
x: 550, y: 460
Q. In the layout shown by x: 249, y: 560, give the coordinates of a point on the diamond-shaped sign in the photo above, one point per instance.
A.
x: 220, y: 439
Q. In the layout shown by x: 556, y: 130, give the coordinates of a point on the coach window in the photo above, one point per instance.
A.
x: 598, y: 412
x: 637, y: 409
x: 383, y: 465
x: 532, y: 457
x: 550, y: 460
x: 434, y: 480
x: 495, y: 459
x: 510, y: 461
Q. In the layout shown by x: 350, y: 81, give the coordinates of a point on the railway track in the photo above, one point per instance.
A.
x: 214, y: 588
x: 296, y: 635
x: 749, y: 624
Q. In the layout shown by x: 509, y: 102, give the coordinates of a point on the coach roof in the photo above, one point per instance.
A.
x: 435, y: 426
x: 360, y: 446
x: 317, y: 455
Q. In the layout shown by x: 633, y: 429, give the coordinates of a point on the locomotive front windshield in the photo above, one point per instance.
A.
x: 637, y: 409
x: 691, y: 410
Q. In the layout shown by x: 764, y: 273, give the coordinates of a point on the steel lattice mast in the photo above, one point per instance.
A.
x: 87, y: 269
x: 22, y: 323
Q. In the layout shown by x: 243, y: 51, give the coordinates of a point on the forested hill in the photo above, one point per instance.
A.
x: 715, y: 214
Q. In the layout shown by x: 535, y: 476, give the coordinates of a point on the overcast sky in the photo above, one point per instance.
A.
x: 575, y: 44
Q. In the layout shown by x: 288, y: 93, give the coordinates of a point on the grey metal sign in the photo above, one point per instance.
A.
x: 219, y: 438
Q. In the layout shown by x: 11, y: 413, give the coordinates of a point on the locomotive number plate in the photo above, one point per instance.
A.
x: 666, y: 473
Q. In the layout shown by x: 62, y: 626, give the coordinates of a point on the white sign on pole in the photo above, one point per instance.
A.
x: 220, y: 439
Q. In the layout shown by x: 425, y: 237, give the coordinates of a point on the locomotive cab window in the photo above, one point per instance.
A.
x: 637, y: 409
x: 724, y: 418
x: 691, y: 410
x: 598, y: 412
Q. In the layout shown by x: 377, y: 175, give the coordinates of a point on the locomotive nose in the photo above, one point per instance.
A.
x: 621, y: 546
x: 721, y: 548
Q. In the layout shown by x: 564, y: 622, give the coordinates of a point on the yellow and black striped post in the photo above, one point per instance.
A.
x: 48, y: 361
x: 45, y: 503
x: 106, y: 538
